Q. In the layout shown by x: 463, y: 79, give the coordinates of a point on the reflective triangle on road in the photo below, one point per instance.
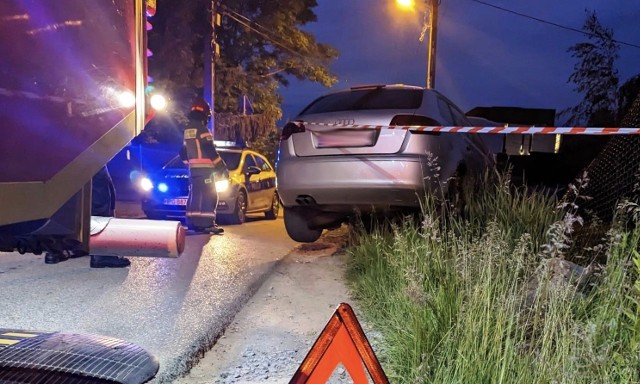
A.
x: 342, y: 341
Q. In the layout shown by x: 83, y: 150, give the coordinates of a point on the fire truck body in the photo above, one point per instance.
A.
x: 72, y: 95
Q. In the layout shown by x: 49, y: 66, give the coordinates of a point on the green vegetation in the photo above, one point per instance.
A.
x: 263, y: 45
x: 487, y: 298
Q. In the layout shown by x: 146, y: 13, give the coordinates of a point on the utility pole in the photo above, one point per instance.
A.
x: 433, y: 37
x: 211, y: 50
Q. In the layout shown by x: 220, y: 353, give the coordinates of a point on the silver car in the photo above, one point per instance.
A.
x: 350, y: 152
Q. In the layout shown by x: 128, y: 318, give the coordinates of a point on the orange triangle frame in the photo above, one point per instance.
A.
x: 342, y: 341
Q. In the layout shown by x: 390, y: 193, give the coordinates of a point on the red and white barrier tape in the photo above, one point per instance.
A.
x: 503, y: 130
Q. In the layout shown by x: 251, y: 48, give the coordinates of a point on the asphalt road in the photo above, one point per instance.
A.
x: 174, y: 308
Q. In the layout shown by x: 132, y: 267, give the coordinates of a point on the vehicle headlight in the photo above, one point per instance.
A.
x: 222, y: 185
x: 146, y: 184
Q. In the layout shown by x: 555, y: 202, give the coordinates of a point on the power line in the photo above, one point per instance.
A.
x: 248, y: 23
x: 550, y: 22
x: 248, y: 20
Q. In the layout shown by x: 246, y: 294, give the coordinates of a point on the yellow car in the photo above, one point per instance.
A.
x: 250, y: 188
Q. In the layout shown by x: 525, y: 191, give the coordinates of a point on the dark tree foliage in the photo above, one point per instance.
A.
x: 595, y: 76
x: 176, y: 64
x: 261, y: 44
x: 629, y: 93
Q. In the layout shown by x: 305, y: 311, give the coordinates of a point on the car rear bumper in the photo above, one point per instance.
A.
x: 151, y: 207
x: 154, y: 209
x: 347, y: 183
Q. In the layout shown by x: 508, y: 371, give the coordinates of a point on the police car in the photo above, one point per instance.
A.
x: 249, y: 189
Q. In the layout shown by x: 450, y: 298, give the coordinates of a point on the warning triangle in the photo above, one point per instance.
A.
x: 342, y: 341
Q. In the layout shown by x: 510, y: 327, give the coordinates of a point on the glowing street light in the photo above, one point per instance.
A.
x: 405, y: 3
x: 431, y: 10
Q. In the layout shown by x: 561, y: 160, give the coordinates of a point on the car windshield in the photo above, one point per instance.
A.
x: 231, y: 159
x: 361, y: 99
x: 176, y: 162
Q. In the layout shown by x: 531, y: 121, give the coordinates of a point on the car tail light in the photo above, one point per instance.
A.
x: 416, y: 120
x: 290, y: 128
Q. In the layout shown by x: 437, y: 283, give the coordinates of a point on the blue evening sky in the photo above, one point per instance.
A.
x: 485, y: 56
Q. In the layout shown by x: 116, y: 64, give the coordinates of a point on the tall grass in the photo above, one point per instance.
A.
x: 516, y: 210
x: 454, y: 302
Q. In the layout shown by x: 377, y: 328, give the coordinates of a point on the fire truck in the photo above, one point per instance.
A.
x: 73, y: 94
x: 73, y: 83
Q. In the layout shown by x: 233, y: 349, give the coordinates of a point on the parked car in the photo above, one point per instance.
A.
x: 346, y: 152
x: 250, y: 188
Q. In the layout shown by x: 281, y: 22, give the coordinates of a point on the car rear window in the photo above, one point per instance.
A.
x: 231, y: 159
x: 361, y: 99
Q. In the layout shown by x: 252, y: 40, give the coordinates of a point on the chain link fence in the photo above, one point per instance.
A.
x: 611, y: 178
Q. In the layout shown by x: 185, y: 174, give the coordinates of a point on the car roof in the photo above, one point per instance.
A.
x: 427, y: 94
x: 226, y: 149
x: 376, y: 86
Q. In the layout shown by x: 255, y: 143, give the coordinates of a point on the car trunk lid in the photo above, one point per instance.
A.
x: 346, y: 133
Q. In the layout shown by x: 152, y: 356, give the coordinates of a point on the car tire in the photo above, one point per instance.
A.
x: 296, y: 225
x: 273, y: 212
x: 239, y: 214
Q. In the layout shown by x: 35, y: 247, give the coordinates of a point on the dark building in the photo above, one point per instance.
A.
x: 545, y: 161
x: 516, y: 115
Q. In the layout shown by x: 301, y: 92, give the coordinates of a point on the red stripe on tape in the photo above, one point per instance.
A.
x: 531, y: 130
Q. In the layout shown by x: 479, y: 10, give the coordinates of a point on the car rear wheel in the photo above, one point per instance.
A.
x: 272, y: 213
x: 297, y: 228
x: 239, y: 214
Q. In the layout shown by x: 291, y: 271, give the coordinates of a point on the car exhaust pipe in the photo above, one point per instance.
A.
x: 136, y: 237
x: 305, y: 200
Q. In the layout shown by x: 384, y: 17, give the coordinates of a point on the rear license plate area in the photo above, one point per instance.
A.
x: 177, y: 201
x: 346, y: 138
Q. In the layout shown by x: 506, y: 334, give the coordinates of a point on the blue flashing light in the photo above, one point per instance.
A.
x: 162, y: 187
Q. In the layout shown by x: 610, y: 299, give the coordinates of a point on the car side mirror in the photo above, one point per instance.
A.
x: 253, y: 170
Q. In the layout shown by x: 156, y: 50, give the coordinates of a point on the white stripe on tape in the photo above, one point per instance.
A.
x: 532, y: 130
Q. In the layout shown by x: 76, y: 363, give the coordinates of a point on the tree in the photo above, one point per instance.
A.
x: 262, y: 43
x: 614, y: 162
x: 628, y: 93
x: 261, y: 46
x: 595, y: 76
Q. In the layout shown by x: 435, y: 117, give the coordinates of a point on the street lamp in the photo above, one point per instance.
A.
x: 405, y: 3
x: 430, y: 13
x: 211, y: 51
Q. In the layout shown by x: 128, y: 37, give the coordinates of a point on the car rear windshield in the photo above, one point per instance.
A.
x: 232, y: 159
x: 361, y: 99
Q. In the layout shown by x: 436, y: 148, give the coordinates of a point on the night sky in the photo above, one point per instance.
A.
x: 485, y: 56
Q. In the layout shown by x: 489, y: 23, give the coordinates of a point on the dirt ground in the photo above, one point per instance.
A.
x: 272, y: 334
